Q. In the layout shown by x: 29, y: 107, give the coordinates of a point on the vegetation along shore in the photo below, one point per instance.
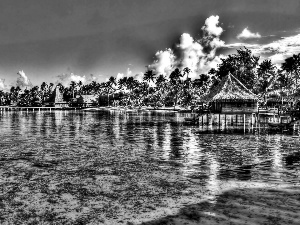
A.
x: 272, y: 85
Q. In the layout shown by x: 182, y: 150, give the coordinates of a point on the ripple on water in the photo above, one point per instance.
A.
x: 75, y: 166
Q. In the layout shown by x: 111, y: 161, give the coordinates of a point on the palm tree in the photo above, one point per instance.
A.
x: 79, y: 85
x: 149, y: 76
x: 72, y: 87
x: 111, y: 85
x: 131, y: 84
x: 161, y: 87
x: 176, y: 85
x: 186, y: 72
x: 44, y: 87
x: 265, y: 78
x: 122, y: 83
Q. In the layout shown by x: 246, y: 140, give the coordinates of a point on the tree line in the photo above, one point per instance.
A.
x: 177, y: 89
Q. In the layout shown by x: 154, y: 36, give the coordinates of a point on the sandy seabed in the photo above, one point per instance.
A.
x: 241, y: 206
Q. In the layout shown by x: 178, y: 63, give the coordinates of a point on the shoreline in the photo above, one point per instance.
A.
x: 127, y: 109
x: 45, y: 108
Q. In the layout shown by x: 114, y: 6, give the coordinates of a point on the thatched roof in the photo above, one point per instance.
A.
x: 87, y: 98
x: 230, y: 89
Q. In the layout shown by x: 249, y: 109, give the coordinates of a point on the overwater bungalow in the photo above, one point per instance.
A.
x: 86, y: 100
x: 277, y: 99
x: 231, y: 96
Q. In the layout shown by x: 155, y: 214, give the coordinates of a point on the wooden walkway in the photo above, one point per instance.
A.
x: 6, y: 108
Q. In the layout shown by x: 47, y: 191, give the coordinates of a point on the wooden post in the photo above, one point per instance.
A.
x: 244, y: 123
x: 207, y: 120
x: 236, y: 120
x: 219, y: 121
x: 225, y: 121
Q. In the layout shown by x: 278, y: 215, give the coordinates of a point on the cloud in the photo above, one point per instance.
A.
x: 3, y: 86
x: 129, y: 72
x: 121, y: 75
x: 191, y: 52
x: 197, y: 55
x: 164, y: 62
x: 247, y: 34
x: 281, y: 49
x: 23, y: 81
x: 285, y: 45
x: 241, y: 45
x: 211, y: 26
x: 139, y: 76
x: 65, y: 79
x: 277, y: 51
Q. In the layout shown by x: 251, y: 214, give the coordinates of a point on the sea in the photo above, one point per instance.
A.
x: 116, y: 167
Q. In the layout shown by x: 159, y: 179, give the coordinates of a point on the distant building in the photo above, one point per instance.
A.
x: 86, y: 100
x: 59, y: 101
x: 230, y: 95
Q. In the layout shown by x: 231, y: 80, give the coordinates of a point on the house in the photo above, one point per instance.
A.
x: 86, y: 100
x: 231, y: 96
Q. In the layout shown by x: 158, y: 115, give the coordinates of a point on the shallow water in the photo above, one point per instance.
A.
x: 112, y: 167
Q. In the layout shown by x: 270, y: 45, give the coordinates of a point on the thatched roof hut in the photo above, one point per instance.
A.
x: 230, y: 89
x: 230, y: 95
x: 87, y: 100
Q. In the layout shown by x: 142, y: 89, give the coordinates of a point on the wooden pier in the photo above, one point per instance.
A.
x: 243, y: 122
x: 10, y: 108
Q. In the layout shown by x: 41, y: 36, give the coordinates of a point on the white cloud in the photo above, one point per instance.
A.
x: 211, y: 26
x: 277, y: 59
x: 286, y: 45
x: 247, y: 34
x: 241, y: 45
x: 276, y: 51
x: 3, y: 87
x: 65, y: 79
x: 191, y: 53
x: 129, y: 72
x: 197, y: 55
x: 139, y: 76
x: 164, y: 62
x: 120, y: 76
x: 23, y: 81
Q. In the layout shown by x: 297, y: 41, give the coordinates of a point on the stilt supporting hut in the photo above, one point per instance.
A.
x: 231, y: 96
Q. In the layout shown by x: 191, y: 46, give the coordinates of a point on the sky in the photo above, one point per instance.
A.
x: 63, y: 40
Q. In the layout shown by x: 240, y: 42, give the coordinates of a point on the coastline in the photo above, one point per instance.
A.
x: 41, y: 108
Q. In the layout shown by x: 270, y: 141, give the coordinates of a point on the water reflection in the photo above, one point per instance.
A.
x: 154, y: 138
